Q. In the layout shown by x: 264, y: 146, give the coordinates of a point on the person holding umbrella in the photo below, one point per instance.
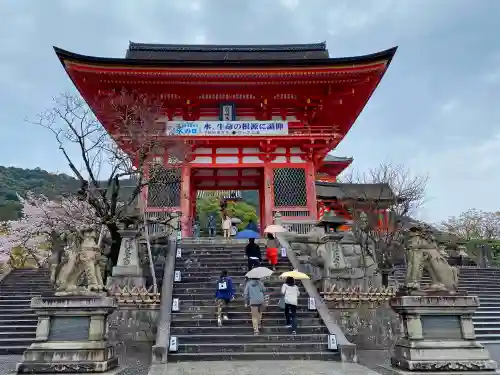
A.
x: 253, y: 253
x: 290, y: 293
x: 272, y: 251
x: 255, y: 295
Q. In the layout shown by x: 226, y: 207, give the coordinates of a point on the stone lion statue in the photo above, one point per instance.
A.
x: 423, y: 253
x: 82, y: 262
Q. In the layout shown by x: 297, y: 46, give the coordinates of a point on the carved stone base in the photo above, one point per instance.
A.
x: 438, y: 335
x: 70, y: 336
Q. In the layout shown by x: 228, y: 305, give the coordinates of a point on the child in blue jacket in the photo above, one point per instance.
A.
x: 224, y: 294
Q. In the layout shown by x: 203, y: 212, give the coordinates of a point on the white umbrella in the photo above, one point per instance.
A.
x: 275, y: 229
x: 235, y: 220
x: 259, y: 273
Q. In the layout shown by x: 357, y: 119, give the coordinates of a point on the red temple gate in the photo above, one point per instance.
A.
x: 252, y: 117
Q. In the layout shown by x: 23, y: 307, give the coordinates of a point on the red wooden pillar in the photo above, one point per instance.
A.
x: 261, y: 207
x: 186, y: 200
x: 311, y: 190
x: 268, y: 198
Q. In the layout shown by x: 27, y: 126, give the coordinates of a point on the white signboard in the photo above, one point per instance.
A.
x: 173, y: 344
x: 175, y: 304
x: 312, y: 304
x: 177, y: 276
x: 226, y: 128
x: 332, y: 342
x: 178, y: 254
x: 227, y: 112
x: 283, y: 252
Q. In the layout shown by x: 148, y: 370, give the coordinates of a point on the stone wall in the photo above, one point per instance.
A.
x: 369, y: 327
x: 134, y: 323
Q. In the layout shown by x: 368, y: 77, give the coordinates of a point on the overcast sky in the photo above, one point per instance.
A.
x: 437, y: 109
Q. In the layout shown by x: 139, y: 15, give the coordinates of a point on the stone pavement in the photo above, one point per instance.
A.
x: 135, y: 359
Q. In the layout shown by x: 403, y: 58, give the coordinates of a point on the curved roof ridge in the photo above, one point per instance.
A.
x: 227, y: 48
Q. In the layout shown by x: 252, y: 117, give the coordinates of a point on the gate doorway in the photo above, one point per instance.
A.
x: 241, y: 187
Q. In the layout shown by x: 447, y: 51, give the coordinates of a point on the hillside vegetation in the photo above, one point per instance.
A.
x: 18, y: 180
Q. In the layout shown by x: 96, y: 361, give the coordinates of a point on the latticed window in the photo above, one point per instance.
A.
x: 164, y: 188
x: 290, y: 187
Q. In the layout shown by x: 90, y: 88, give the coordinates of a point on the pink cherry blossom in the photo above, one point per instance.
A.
x: 41, y: 219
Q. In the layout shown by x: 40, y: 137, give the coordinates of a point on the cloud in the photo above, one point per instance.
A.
x: 290, y: 4
x: 431, y: 112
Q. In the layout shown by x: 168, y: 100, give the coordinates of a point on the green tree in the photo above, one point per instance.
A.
x: 241, y: 210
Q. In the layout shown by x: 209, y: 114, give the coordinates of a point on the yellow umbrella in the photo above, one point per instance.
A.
x: 295, y: 274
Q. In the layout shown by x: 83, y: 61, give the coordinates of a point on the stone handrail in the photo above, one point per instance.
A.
x: 346, y: 348
x: 160, y: 349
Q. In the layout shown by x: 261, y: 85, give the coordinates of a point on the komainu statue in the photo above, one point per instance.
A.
x: 422, y: 253
x: 82, y: 263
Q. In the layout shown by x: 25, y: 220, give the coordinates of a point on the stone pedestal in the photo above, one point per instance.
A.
x: 127, y: 272
x: 70, y: 336
x: 438, y: 335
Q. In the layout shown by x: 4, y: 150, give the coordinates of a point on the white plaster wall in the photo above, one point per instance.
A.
x: 226, y: 150
x: 279, y: 159
x: 226, y: 159
x: 202, y: 160
x: 203, y: 150
x: 251, y: 159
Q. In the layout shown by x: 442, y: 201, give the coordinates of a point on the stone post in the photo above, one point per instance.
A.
x: 70, y: 336
x: 438, y: 335
x: 128, y: 272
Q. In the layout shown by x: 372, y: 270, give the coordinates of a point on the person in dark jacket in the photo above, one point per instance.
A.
x: 224, y: 294
x: 253, y: 253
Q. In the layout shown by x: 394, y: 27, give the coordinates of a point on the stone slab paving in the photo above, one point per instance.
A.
x: 136, y: 359
x: 264, y: 368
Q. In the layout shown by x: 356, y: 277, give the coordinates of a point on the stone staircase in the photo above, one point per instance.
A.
x: 484, y: 283
x: 17, y: 320
x: 195, y: 325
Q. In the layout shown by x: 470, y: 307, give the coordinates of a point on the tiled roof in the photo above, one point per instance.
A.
x: 146, y: 51
x: 343, y: 191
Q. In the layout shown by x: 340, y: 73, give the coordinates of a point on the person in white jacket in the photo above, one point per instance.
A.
x: 291, y: 293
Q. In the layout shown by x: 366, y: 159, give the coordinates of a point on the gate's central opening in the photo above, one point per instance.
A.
x: 241, y: 188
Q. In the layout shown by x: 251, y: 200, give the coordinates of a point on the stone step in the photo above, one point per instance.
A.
x: 484, y: 317
x: 272, y: 307
x: 229, y: 330
x: 487, y: 330
x: 4, y: 307
x: 238, y: 302
x: 211, y: 284
x: 217, y: 264
x: 18, y: 321
x: 192, y: 288
x: 256, y: 356
x: 270, y: 314
x: 244, y: 321
x: 13, y: 314
x: 250, y: 338
x: 11, y: 300
x: 238, y: 347
x: 18, y: 328
x: 14, y: 349
x: 5, y: 336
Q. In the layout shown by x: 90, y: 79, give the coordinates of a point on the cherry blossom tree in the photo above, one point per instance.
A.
x: 102, y: 162
x: 46, y: 222
x: 473, y: 225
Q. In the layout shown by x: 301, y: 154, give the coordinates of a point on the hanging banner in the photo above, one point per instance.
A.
x: 227, y: 112
x: 226, y: 128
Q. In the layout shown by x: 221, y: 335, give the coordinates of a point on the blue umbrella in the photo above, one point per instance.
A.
x: 247, y: 234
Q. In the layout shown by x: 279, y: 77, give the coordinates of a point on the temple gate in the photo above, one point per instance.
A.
x: 250, y: 117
